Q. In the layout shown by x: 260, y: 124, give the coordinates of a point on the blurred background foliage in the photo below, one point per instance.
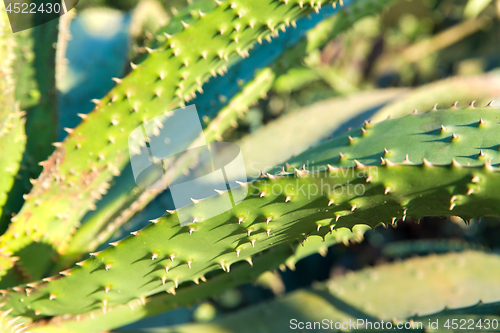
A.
x: 421, y: 49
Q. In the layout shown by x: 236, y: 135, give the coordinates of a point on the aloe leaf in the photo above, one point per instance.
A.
x: 189, y: 294
x: 290, y: 207
x: 65, y: 191
x: 35, y: 90
x: 481, y: 88
x: 391, y: 292
x: 12, y: 125
x: 124, y: 200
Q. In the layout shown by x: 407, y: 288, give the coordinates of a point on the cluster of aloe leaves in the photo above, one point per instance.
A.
x: 223, y: 56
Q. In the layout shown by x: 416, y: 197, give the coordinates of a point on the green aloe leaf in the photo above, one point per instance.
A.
x: 290, y: 207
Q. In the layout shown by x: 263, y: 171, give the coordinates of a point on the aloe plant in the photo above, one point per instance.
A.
x: 314, y: 191
x: 193, y: 67
x: 335, y: 299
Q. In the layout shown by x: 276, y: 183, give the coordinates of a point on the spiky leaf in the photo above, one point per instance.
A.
x: 180, y: 63
x: 290, y: 207
x: 392, y: 292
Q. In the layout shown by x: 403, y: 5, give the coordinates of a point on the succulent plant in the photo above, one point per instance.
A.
x: 314, y: 190
x: 336, y: 299
x: 192, y: 67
